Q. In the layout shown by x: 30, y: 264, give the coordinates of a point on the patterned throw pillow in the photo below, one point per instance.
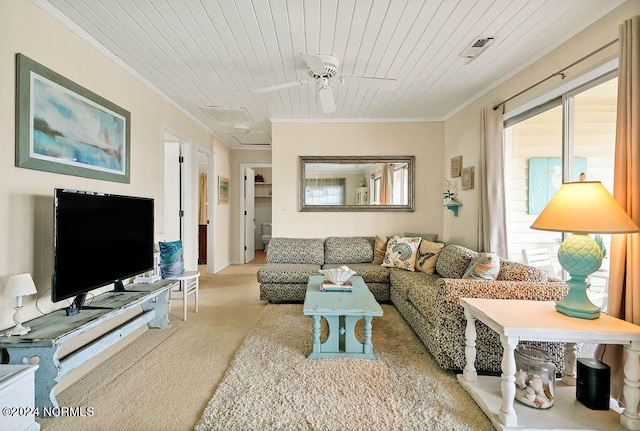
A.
x: 380, y: 248
x: 401, y: 252
x: 171, y: 260
x: 486, y: 266
x: 427, y: 256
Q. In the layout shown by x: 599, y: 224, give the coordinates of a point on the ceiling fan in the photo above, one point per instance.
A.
x: 323, y: 69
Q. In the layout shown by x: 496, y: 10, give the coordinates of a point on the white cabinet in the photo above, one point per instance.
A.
x: 17, y: 398
x: 362, y: 196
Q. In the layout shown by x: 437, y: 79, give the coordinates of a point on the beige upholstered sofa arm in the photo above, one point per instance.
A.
x: 452, y: 289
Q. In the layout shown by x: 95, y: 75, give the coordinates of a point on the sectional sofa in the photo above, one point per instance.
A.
x: 428, y: 302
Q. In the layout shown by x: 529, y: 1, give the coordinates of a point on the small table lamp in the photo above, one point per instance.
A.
x: 582, y: 207
x: 18, y: 286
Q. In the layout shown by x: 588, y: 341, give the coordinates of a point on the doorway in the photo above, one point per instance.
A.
x: 205, y: 210
x: 179, y: 205
x: 255, y: 211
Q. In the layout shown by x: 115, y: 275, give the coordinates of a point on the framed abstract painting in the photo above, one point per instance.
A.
x: 64, y: 128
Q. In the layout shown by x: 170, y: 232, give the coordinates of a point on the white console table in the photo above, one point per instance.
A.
x: 51, y: 331
x: 517, y: 320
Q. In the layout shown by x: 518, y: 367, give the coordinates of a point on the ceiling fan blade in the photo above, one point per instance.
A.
x: 384, y: 83
x: 279, y: 86
x: 315, y: 64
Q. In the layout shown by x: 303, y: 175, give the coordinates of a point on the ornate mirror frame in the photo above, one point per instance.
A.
x: 304, y: 160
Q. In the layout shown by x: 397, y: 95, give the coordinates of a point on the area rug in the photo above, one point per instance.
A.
x: 270, y: 385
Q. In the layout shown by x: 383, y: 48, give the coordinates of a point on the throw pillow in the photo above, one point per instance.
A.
x: 486, y: 266
x: 427, y: 256
x: 380, y: 248
x: 433, y: 237
x: 401, y: 252
x: 171, y: 260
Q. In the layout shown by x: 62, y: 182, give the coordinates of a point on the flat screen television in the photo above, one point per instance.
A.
x: 99, y: 239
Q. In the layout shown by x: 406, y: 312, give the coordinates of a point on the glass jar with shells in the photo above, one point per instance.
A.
x: 535, y: 377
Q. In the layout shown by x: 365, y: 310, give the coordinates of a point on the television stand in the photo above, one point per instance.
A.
x: 51, y: 331
x: 74, y: 308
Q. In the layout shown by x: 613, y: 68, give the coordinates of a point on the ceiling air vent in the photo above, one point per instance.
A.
x: 253, y: 139
x: 476, y: 48
x: 228, y: 115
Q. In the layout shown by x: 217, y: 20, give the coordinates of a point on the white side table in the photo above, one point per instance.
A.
x: 189, y: 283
x: 517, y: 320
x: 17, y: 398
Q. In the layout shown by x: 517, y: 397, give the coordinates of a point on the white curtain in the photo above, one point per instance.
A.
x: 492, y: 218
x: 325, y: 191
x: 624, y: 278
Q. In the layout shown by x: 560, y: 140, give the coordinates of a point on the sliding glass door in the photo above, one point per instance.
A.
x: 552, y: 144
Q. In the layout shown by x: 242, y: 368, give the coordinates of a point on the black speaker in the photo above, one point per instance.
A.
x: 592, y: 383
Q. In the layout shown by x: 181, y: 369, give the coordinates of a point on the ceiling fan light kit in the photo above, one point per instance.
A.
x: 327, y: 101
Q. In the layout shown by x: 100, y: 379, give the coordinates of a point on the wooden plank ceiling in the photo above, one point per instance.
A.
x: 208, y: 53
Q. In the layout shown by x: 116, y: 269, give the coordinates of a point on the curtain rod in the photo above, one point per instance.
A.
x: 559, y: 72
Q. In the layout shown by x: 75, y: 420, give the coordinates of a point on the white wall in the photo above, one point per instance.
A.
x: 424, y: 140
x: 462, y: 129
x: 26, y: 196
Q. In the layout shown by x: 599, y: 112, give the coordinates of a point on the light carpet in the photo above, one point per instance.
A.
x: 270, y: 385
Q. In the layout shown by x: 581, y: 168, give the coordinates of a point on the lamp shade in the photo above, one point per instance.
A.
x: 20, y: 285
x: 585, y: 207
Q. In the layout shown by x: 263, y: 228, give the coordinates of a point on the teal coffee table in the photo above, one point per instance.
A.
x: 341, y: 310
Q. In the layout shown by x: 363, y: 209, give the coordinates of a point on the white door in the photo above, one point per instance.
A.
x: 249, y: 215
x: 171, y: 192
x: 189, y: 182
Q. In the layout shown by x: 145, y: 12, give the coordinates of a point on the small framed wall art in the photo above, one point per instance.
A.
x: 467, y: 178
x: 223, y: 190
x: 456, y: 166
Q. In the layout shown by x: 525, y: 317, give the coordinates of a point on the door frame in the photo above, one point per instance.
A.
x: 211, y: 225
x: 241, y: 204
x: 189, y: 195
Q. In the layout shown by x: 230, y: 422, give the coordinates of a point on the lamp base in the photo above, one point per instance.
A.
x: 17, y: 330
x: 18, y: 318
x: 577, y: 303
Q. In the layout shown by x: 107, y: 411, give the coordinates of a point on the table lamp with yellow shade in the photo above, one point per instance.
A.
x: 582, y: 208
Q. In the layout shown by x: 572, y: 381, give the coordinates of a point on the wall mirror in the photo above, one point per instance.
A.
x: 356, y: 183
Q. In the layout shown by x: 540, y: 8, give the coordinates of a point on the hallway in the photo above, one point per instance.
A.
x: 260, y: 258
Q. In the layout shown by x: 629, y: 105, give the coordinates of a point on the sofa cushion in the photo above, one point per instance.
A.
x: 454, y: 260
x: 296, y: 250
x: 426, y: 302
x: 484, y: 266
x: 287, y: 272
x: 401, y: 252
x: 345, y: 250
x: 402, y: 280
x: 280, y: 292
x: 516, y: 271
x: 427, y: 257
x: 370, y: 272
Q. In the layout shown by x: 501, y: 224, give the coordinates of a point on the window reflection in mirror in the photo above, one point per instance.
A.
x: 356, y: 183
